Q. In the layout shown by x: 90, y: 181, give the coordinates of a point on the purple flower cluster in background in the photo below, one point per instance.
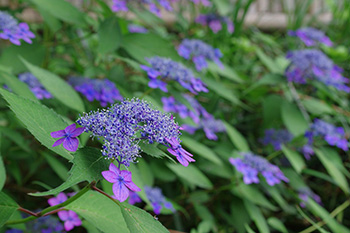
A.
x: 313, y: 64
x: 215, y: 22
x: 70, y: 218
x: 199, y: 115
x: 102, y: 90
x: 199, y: 52
x: 157, y: 199
x: 163, y: 69
x: 124, y: 125
x: 13, y: 31
x: 304, y: 193
x: 276, y: 137
x: 251, y: 165
x: 134, y: 28
x: 34, y: 85
x: 334, y: 136
x: 47, y: 224
x: 203, y: 2
x: 153, y: 5
x: 311, y: 36
x: 134, y: 198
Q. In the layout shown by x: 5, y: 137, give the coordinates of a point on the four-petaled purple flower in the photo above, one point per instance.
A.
x: 68, y: 137
x: 71, y: 219
x: 122, y: 182
x: 182, y: 155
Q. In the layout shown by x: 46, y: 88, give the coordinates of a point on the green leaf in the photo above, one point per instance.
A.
x: 100, y: 211
x: 88, y: 163
x: 16, y: 137
x: 317, y: 210
x: 277, y: 224
x: 236, y: 138
x: 293, y: 119
x: 38, y: 119
x: 221, y: 90
x: 201, y: 150
x: 62, y: 10
x: 57, y: 87
x: 257, y: 216
x: 18, y: 87
x: 2, y: 170
x: 141, y: 46
x: 271, y: 65
x: 333, y: 170
x: 191, y: 174
x: 57, y: 166
x: 7, y: 208
x: 139, y: 221
x: 317, y: 107
x: 294, y: 158
x: 154, y: 151
x: 226, y: 72
x: 146, y: 172
x: 252, y: 194
x: 109, y: 35
x: 10, y: 57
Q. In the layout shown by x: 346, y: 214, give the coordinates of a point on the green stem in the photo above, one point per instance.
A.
x: 53, y: 208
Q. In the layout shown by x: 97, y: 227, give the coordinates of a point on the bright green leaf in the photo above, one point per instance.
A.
x: 88, y: 163
x: 257, y: 216
x: 109, y: 35
x: 191, y: 174
x: 57, y: 87
x: 62, y: 10
x: 225, y: 71
x: 317, y: 107
x: 17, y: 86
x: 236, y: 138
x: 294, y: 158
x: 7, y: 208
x: 38, y: 119
x: 293, y: 119
x: 277, y: 224
x: 201, y: 149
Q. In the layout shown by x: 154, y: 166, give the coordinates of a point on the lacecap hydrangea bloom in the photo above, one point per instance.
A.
x: 13, y: 31
x: 276, y: 137
x: 134, y: 28
x: 251, y: 165
x: 35, y: 86
x: 102, y: 90
x: 124, y: 125
x: 164, y: 69
x: 47, y: 224
x: 153, y: 5
x: 215, y: 22
x: 311, y: 36
x: 334, y: 136
x: 199, y: 52
x: 312, y: 64
x: 199, y: 115
x: 305, y: 193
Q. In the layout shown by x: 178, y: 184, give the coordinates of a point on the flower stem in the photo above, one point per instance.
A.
x: 51, y: 209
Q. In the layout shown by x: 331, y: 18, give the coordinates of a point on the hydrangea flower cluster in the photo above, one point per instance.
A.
x: 35, y: 86
x: 305, y: 193
x: 13, y: 31
x: 124, y: 125
x: 251, y: 165
x: 167, y: 69
x: 102, y: 90
x: 276, y: 137
x: 47, y: 224
x: 334, y: 136
x: 199, y: 52
x: 153, y: 5
x: 157, y: 199
x: 313, y: 64
x: 215, y: 22
x: 155, y: 196
x: 311, y: 36
x: 134, y: 28
x: 199, y: 115
x: 69, y: 217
